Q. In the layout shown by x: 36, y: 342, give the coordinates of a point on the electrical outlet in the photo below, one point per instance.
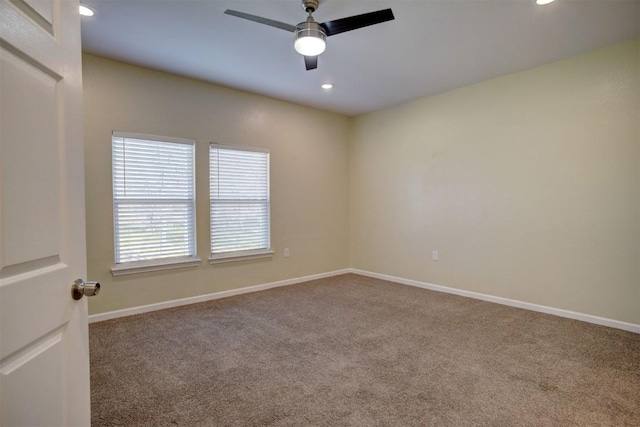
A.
x: 286, y: 252
x: 435, y: 255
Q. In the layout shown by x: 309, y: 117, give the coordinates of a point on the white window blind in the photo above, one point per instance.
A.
x: 153, y: 197
x: 239, y: 190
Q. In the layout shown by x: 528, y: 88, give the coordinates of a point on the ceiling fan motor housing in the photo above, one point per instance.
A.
x: 310, y: 5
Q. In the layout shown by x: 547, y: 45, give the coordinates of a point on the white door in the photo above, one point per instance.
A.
x: 44, y: 352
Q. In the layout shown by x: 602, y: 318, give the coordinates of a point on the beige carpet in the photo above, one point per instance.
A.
x: 355, y: 351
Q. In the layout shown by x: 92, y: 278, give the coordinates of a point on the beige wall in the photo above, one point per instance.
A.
x: 309, y: 178
x: 528, y: 185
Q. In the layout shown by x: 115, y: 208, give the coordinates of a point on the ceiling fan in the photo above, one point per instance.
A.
x: 310, y: 35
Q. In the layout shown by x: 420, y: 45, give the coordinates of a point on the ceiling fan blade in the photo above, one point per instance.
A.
x: 261, y: 20
x: 311, y: 62
x: 358, y: 21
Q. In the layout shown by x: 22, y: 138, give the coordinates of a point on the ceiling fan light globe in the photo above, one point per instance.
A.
x: 310, y: 39
x: 310, y: 46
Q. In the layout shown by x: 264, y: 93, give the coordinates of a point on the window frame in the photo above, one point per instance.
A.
x: 132, y: 267
x: 246, y: 254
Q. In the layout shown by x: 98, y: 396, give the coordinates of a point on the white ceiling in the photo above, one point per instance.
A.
x: 431, y: 47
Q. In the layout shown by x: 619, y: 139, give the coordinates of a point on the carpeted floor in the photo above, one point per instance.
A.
x: 355, y: 351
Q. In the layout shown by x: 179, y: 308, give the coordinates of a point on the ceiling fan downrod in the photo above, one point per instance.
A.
x: 310, y: 6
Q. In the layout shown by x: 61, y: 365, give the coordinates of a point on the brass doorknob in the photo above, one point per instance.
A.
x: 81, y: 288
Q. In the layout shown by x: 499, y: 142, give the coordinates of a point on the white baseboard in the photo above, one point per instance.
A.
x: 202, y: 298
x: 631, y: 327
x: 476, y: 295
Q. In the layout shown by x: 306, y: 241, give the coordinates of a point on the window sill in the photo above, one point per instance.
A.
x: 240, y: 256
x: 156, y: 265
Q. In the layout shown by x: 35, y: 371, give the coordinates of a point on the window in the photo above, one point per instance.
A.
x: 153, y: 200
x: 239, y: 191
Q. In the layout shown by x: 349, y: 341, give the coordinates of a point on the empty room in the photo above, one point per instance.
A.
x: 320, y: 213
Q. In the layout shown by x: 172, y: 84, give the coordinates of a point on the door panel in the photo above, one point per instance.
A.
x: 31, y: 225
x: 44, y: 356
x: 20, y: 386
x: 43, y: 8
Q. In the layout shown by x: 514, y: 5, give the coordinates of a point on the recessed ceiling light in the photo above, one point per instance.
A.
x: 327, y: 86
x: 86, y: 10
x: 543, y: 2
